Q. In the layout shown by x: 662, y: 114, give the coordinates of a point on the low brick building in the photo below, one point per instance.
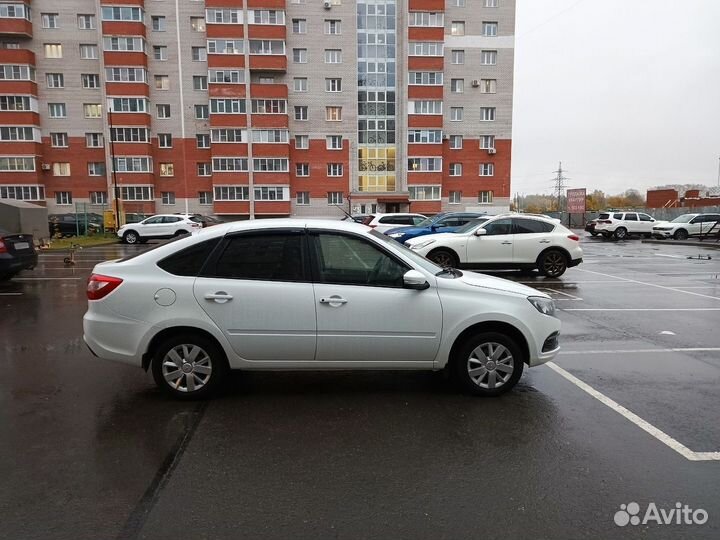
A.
x: 670, y: 198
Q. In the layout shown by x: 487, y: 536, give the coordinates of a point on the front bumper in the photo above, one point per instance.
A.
x: 662, y: 234
x: 549, y: 350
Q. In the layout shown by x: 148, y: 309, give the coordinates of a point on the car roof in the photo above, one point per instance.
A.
x: 290, y: 223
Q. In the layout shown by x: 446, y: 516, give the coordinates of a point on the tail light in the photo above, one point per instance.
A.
x: 574, y: 237
x: 100, y: 286
x: 3, y: 247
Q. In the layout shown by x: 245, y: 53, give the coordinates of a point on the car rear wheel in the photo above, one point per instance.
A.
x: 620, y: 233
x: 594, y: 233
x: 444, y: 258
x: 552, y: 263
x: 131, y: 237
x: 189, y: 366
x: 680, y: 234
x: 180, y: 233
x: 487, y: 364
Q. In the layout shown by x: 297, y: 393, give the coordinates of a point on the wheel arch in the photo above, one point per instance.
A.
x: 448, y: 249
x: 561, y: 249
x: 167, y: 333
x: 491, y: 326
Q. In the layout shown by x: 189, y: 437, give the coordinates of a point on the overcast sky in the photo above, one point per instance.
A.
x: 626, y: 93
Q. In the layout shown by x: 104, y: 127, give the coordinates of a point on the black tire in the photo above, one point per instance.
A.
x: 131, y: 237
x: 473, y: 355
x: 203, y: 383
x: 444, y: 258
x: 620, y: 233
x: 648, y: 235
x: 180, y: 233
x: 552, y: 263
x: 594, y: 233
x: 681, y: 234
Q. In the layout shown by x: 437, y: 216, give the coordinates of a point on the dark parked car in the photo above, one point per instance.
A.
x: 17, y: 252
x: 590, y: 227
x: 71, y: 224
x: 439, y: 223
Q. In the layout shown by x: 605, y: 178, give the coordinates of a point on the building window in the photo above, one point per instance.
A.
x: 300, y: 56
x: 59, y: 140
x: 53, y: 50
x: 125, y: 74
x: 136, y: 164
x: 159, y: 23
x: 333, y: 26
x: 15, y: 164
x: 160, y: 52
x: 267, y: 46
x: 334, y: 169
x: 96, y: 168
x: 488, y: 86
x: 55, y: 80
x: 455, y: 169
x: 92, y: 110
x: 424, y: 193
x: 199, y: 54
x: 456, y: 114
x: 268, y: 106
x: 300, y: 84
x: 266, y: 16
x: 90, y: 80
x: 425, y: 48
x: 299, y: 26
x: 61, y: 169
x: 228, y: 135
x: 455, y: 197
x: 333, y: 56
x: 270, y: 165
x: 456, y: 142
x: 21, y: 193
x: 225, y: 46
x: 122, y: 13
x: 94, y: 140
x: 491, y: 3
x: 130, y: 135
x: 223, y: 16
x: 164, y: 140
x: 425, y: 107
x: 425, y: 18
x: 227, y: 76
x: 49, y: 20
x: 98, y: 197
x: 457, y: 28
x: 302, y: 169
x: 302, y: 142
x: 63, y: 198
x: 162, y: 82
x: 485, y: 197
x: 129, y: 105
x: 268, y: 193
x: 457, y: 86
x: 335, y: 197
x: 197, y: 24
x: 167, y: 197
x: 425, y: 136
x: 205, y: 197
x: 130, y: 44
x: 333, y: 114
x: 487, y: 169
x: 333, y: 85
x: 270, y: 136
x: 490, y: 29
x: 202, y: 140
x: 458, y: 57
x: 301, y: 112
x: 57, y: 110
x: 200, y: 82
x: 137, y: 193
x: 487, y: 114
x: 88, y: 51
x: 488, y: 58
x: 86, y: 22
x: 334, y: 142
x: 487, y: 141
x: 163, y: 111
x: 203, y: 169
x: 303, y: 198
x: 229, y: 165
x: 426, y: 78
x: 425, y: 164
x: 232, y: 193
x: 202, y: 112
x: 167, y: 169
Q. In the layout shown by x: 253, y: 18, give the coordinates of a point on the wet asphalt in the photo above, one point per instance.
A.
x: 91, y: 450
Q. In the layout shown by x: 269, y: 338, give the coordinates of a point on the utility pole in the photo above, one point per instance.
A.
x: 559, y: 185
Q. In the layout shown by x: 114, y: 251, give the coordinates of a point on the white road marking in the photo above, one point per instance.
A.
x: 660, y: 435
x: 670, y: 256
x: 638, y: 351
x: 570, y: 296
x: 11, y: 294
x: 667, y: 333
x: 643, y: 309
x: 651, y: 284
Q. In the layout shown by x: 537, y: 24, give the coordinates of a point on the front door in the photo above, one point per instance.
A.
x: 363, y: 312
x: 494, y: 247
x: 258, y: 292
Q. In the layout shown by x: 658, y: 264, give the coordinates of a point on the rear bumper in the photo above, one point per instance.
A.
x: 575, y: 262
x: 112, y: 338
x: 16, y: 263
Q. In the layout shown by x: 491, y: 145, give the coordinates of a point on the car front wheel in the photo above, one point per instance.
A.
x: 131, y: 237
x: 620, y: 233
x: 487, y: 364
x: 189, y: 366
x: 680, y: 234
x: 552, y: 264
x: 444, y: 258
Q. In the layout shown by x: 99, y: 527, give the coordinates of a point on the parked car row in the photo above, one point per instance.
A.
x: 620, y: 225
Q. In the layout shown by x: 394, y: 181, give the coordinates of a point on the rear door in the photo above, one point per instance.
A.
x: 531, y: 237
x: 632, y: 224
x: 257, y: 290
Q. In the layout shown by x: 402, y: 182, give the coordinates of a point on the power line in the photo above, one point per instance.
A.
x: 559, y: 185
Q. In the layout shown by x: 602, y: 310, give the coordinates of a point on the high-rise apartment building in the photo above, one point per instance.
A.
x: 257, y: 107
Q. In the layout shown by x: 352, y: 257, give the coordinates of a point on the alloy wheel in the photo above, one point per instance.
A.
x: 553, y: 264
x: 490, y: 365
x: 187, y: 368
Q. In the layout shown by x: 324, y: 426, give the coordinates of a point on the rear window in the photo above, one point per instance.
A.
x: 527, y: 226
x: 604, y: 216
x: 368, y: 220
x: 267, y: 257
x: 189, y: 261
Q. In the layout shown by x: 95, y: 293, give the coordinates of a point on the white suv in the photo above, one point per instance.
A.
x: 621, y: 224
x: 504, y: 242
x: 159, y: 226
x: 686, y: 225
x: 312, y: 295
x: 384, y: 222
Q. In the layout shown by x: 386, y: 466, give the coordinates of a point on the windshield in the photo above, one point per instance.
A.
x: 470, y: 225
x: 429, y: 221
x: 421, y: 261
x: 684, y: 218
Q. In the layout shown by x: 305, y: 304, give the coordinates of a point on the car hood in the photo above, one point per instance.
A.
x: 434, y: 236
x: 664, y: 224
x: 406, y: 230
x: 490, y: 282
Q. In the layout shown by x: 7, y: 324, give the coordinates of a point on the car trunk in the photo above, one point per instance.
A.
x: 18, y: 244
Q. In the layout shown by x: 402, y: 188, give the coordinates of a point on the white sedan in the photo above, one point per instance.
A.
x: 513, y: 241
x: 305, y: 294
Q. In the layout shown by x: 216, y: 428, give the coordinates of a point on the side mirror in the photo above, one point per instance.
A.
x: 480, y: 232
x: 415, y: 280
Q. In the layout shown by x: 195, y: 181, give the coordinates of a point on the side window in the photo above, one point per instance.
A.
x: 267, y: 257
x: 698, y: 219
x: 171, y: 219
x: 189, y: 261
x: 631, y: 217
x: 618, y: 216
x: 527, y: 226
x: 465, y: 219
x: 417, y: 220
x: 349, y: 260
x: 645, y: 217
x: 446, y: 222
x: 153, y: 221
x: 499, y: 226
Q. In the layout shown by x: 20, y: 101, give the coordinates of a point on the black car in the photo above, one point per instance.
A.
x: 71, y: 224
x: 590, y: 227
x: 17, y: 252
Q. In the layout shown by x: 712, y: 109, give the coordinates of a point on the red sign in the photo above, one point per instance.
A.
x: 576, y: 201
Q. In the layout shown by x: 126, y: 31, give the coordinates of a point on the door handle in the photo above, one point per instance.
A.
x: 506, y: 243
x: 544, y: 241
x: 220, y: 297
x: 333, y: 300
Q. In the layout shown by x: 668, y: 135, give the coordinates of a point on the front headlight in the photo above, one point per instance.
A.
x: 422, y: 244
x: 395, y: 235
x: 544, y: 305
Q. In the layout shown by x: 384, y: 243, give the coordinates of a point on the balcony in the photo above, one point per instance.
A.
x: 15, y: 27
x: 268, y: 62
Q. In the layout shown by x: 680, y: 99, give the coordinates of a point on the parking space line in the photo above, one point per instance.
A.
x: 570, y: 296
x: 646, y: 426
x: 639, y: 351
x: 650, y: 284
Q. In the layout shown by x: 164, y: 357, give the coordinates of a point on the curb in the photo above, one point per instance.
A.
x: 711, y: 244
